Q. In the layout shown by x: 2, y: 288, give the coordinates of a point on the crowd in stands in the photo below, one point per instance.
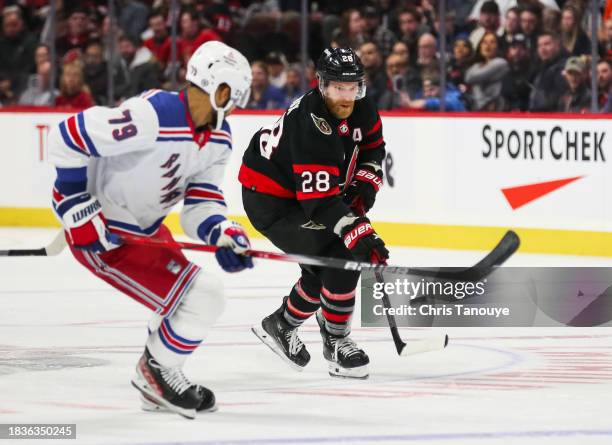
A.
x: 501, y: 55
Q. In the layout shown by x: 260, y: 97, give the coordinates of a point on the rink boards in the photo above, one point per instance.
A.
x: 452, y: 180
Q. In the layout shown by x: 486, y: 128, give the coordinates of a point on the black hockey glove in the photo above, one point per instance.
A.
x: 363, y: 242
x: 361, y: 192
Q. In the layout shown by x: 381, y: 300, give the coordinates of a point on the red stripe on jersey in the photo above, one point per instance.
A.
x: 195, y: 193
x: 338, y: 297
x: 301, y: 168
x: 375, y: 128
x: 302, y: 196
x: 258, y: 182
x: 374, y: 144
x: 57, y: 196
x: 337, y: 318
x: 76, y: 137
x: 175, y: 132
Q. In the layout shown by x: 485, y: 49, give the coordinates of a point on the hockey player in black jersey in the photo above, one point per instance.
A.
x: 308, y: 182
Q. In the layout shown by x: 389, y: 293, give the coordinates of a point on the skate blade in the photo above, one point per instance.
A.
x: 270, y: 343
x: 359, y: 372
x: 151, y: 406
x: 140, y: 383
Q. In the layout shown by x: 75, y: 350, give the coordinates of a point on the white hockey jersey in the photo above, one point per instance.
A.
x: 142, y: 158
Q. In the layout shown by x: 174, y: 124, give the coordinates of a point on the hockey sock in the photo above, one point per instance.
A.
x: 337, y: 309
x: 180, y: 333
x: 303, y: 301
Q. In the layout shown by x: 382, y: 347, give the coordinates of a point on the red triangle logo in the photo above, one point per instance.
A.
x: 524, y: 194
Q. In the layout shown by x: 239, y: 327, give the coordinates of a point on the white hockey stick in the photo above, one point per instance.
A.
x: 54, y: 248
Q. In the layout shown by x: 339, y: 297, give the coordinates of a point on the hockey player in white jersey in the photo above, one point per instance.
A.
x: 120, y: 171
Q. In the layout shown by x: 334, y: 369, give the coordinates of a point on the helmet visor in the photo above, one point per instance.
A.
x: 336, y: 90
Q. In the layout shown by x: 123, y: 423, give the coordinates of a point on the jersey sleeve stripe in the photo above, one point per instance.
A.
x: 301, y: 168
x: 373, y: 144
x: 375, y: 128
x: 214, y: 140
x: 134, y: 229
x: 195, y: 193
x: 173, y: 139
x: 301, y: 196
x: 204, y: 185
x: 74, y: 134
x: 68, y: 140
x: 88, y: 141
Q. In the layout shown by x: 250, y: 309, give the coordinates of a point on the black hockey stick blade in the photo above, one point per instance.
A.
x: 54, y: 248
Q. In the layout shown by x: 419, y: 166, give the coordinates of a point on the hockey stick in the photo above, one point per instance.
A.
x: 403, y: 350
x: 54, y: 248
x: 504, y: 249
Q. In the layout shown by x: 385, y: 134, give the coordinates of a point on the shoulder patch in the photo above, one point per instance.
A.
x: 321, y: 124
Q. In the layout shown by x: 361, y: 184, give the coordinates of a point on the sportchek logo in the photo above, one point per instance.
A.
x: 524, y: 194
x: 552, y: 144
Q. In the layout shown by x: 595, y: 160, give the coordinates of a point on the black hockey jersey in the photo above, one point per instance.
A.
x: 310, y: 156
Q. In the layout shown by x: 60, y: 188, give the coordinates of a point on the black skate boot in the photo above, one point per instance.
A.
x: 169, y: 389
x: 344, y: 357
x: 282, y: 338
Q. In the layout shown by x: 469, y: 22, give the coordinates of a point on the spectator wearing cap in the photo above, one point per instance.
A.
x: 76, y: 33
x: 575, y: 40
x: 73, y: 91
x: 461, y: 59
x: 293, y: 86
x: 604, y: 82
x: 430, y: 96
x: 488, y: 22
x: 548, y: 84
x: 263, y: 95
x: 577, y: 98
x: 516, y: 85
x: 485, y: 76
x: 138, y: 67
x: 351, y: 32
x: 277, y: 69
x: 159, y: 43
x: 381, y: 36
x: 410, y: 29
x: 376, y: 79
x: 17, y: 48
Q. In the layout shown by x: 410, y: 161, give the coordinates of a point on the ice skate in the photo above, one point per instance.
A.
x: 282, y: 338
x: 344, y: 357
x: 167, y: 389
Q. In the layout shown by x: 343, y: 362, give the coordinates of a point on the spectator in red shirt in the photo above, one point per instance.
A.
x: 77, y: 35
x: 192, y: 36
x: 73, y: 92
x: 159, y: 44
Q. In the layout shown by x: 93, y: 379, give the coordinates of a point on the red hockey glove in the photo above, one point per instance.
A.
x: 363, y: 242
x: 361, y: 192
x: 81, y: 215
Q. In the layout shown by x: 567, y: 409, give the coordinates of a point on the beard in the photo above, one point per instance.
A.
x: 340, y: 110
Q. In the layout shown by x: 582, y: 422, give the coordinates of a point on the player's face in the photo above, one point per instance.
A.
x: 340, y: 98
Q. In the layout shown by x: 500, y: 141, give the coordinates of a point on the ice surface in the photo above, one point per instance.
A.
x: 69, y: 343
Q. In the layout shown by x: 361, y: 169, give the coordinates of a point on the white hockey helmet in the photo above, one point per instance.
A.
x: 215, y: 63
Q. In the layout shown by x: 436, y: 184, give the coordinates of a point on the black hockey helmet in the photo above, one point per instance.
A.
x: 340, y: 65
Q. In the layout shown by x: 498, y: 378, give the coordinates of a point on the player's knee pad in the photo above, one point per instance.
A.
x: 205, y: 300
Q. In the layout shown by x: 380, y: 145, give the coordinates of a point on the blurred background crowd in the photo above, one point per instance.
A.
x: 457, y: 55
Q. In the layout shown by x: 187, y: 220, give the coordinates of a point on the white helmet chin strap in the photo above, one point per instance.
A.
x: 220, y: 111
